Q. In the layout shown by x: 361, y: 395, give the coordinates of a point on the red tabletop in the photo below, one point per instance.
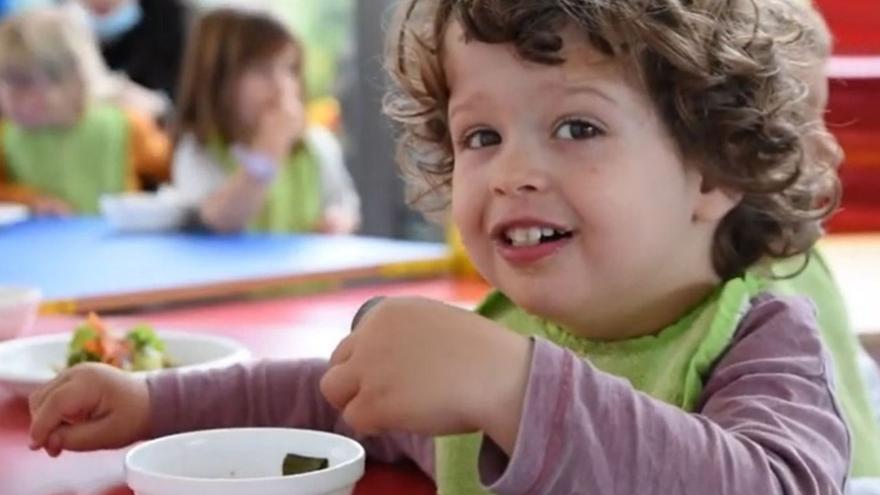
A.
x: 289, y: 327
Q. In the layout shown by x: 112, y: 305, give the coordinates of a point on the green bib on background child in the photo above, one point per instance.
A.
x: 75, y: 164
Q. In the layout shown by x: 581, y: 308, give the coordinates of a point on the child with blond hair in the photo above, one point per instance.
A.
x: 60, y: 147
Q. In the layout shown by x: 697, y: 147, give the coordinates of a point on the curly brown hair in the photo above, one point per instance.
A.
x: 728, y: 77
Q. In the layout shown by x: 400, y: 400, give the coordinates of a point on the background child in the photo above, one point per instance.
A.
x: 246, y: 155
x: 59, y: 148
x: 617, y: 170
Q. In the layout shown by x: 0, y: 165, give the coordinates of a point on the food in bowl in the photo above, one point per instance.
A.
x: 299, y: 464
x: 140, y: 349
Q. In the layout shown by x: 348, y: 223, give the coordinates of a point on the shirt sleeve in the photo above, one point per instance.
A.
x: 337, y: 187
x: 767, y: 422
x: 267, y: 393
x: 10, y: 190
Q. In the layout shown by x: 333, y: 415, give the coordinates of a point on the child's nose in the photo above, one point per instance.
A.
x: 519, y: 171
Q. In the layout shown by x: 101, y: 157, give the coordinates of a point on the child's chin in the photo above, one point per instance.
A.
x: 538, y: 302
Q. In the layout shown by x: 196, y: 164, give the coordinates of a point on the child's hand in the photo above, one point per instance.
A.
x: 51, y: 206
x: 280, y: 126
x: 426, y: 367
x: 87, y: 407
x: 337, y: 220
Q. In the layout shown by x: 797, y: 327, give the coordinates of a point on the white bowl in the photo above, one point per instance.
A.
x: 243, y: 461
x: 18, y: 309
x: 12, y: 213
x: 28, y: 363
x: 143, y: 212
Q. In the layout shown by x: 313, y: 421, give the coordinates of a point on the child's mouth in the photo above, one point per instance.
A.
x: 525, y: 245
x: 533, y: 236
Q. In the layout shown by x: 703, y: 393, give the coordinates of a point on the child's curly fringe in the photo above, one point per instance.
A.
x: 729, y: 78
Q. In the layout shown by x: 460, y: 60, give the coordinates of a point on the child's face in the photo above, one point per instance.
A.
x: 264, y: 84
x: 570, y: 196
x: 32, y: 100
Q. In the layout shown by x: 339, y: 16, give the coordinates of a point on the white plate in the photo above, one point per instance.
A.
x: 11, y: 213
x: 28, y: 363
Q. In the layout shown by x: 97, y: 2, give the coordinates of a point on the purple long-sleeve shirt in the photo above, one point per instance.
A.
x: 767, y: 422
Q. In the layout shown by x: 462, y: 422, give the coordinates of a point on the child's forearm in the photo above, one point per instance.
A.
x: 281, y: 393
x: 232, y: 207
x: 503, y: 408
x: 17, y: 194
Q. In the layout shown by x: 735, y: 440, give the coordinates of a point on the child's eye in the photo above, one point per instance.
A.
x: 577, y: 129
x: 481, y: 138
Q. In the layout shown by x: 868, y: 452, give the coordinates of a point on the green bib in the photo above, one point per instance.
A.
x: 669, y: 366
x: 293, y: 202
x: 817, y: 282
x: 647, y: 362
x: 76, y: 164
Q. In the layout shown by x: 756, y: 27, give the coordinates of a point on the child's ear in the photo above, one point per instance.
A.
x: 714, y: 202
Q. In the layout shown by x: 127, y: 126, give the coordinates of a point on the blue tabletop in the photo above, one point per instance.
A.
x: 74, y: 258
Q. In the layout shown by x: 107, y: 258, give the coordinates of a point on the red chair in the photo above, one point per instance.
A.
x: 854, y: 108
x: 854, y: 24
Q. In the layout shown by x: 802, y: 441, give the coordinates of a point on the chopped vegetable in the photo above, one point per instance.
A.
x: 140, y: 350
x: 299, y: 464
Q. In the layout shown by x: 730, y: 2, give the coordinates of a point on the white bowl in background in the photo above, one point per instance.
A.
x: 143, y: 212
x: 18, y: 310
x: 12, y: 213
x: 28, y: 363
x: 243, y: 461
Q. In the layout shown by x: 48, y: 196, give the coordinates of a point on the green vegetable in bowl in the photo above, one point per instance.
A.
x: 140, y: 349
x: 299, y: 464
x: 81, y: 349
x: 149, y: 351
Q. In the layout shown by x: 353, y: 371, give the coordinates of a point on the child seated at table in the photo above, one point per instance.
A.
x: 246, y: 158
x: 60, y: 149
x: 621, y: 172
x: 854, y: 372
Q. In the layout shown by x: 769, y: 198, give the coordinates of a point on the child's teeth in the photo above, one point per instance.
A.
x: 547, y: 232
x: 519, y: 236
x: 534, y: 235
x: 530, y: 236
